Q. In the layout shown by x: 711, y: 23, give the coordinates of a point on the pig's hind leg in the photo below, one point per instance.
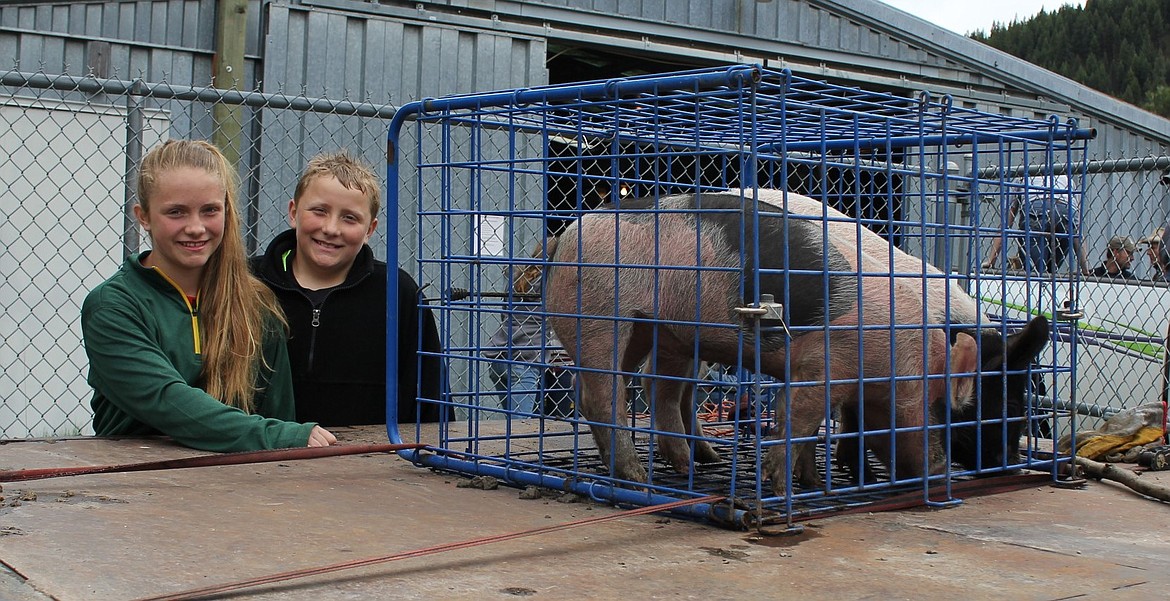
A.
x: 804, y: 471
x: 851, y: 451
x: 674, y: 412
x: 804, y: 416
x: 704, y: 452
x: 604, y: 399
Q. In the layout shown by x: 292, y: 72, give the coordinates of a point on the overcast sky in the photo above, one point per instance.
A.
x: 965, y: 17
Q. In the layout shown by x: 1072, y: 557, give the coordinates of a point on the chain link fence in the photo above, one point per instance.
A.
x: 67, y: 165
x: 1121, y: 318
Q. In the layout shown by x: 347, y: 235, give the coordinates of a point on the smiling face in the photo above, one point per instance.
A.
x: 185, y: 220
x: 332, y: 223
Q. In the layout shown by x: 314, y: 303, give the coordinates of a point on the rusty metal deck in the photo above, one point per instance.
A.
x: 125, y: 536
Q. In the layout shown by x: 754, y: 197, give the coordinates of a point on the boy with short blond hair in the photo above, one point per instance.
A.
x: 333, y: 292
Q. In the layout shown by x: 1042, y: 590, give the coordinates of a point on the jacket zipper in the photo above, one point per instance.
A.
x: 195, y: 328
x: 316, y: 309
x: 193, y: 310
x: 313, y: 335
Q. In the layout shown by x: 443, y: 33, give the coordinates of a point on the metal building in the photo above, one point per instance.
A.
x: 393, y: 52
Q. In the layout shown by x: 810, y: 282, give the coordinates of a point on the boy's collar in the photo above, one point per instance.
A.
x: 284, y: 259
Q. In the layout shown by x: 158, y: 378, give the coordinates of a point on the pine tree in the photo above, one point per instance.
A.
x: 1119, y: 47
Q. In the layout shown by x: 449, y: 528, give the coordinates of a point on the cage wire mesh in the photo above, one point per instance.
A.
x: 571, y: 213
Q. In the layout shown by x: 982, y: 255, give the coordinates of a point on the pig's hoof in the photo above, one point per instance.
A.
x: 805, y: 470
x: 773, y: 466
x: 680, y: 463
x: 779, y: 488
x: 807, y: 480
x: 705, y: 453
x: 631, y: 471
x: 676, y: 453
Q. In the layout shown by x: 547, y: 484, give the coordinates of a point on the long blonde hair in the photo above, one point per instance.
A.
x: 233, y: 305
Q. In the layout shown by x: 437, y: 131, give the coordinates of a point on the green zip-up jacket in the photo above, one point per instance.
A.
x: 142, y: 338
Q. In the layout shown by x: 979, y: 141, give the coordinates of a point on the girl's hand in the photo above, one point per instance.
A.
x: 320, y: 437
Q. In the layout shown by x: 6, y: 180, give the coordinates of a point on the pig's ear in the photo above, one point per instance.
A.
x: 1025, y: 345
x: 964, y: 361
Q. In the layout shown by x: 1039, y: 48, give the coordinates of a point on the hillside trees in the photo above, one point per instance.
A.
x: 1120, y: 47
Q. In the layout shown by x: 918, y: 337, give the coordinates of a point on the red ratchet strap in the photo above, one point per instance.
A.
x: 234, y: 586
x: 207, y: 461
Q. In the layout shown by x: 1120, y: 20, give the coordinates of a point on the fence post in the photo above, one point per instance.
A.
x: 230, y: 22
x: 250, y: 190
x: 134, y: 126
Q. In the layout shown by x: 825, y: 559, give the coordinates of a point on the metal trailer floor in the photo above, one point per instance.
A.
x: 142, y: 534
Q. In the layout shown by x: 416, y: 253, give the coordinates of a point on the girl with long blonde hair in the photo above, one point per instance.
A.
x: 182, y: 340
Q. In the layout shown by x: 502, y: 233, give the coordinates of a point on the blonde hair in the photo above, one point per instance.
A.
x: 234, y: 306
x: 350, y: 171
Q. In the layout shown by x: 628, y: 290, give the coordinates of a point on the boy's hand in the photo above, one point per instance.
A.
x: 320, y: 437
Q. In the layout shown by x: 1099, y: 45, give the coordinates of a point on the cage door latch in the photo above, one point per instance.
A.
x: 769, y: 312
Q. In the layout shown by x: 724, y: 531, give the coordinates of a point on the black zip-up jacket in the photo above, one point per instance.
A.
x: 337, y: 349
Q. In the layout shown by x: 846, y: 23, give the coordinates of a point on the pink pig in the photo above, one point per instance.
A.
x: 664, y: 280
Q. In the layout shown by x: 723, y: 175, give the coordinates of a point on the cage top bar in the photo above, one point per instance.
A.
x: 730, y: 77
x: 737, y: 107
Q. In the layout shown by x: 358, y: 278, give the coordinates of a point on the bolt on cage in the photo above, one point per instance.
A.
x: 495, y: 178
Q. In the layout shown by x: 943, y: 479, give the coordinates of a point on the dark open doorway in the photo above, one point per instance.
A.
x: 569, y: 63
x: 584, y: 173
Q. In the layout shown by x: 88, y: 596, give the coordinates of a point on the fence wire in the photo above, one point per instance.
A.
x: 67, y: 165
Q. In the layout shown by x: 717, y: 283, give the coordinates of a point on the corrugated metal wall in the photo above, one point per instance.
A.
x: 385, y: 59
x: 379, y: 59
x: 290, y: 48
x: 394, y: 52
x: 164, y: 39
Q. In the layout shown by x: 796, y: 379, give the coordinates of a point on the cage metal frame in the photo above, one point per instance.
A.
x: 748, y: 117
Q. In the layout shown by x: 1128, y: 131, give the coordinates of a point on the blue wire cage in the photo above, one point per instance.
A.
x: 497, y: 184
